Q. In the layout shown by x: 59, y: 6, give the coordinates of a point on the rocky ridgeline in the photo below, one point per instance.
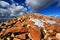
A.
x: 30, y: 27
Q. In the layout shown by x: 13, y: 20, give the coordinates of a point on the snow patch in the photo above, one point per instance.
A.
x: 51, y: 21
x: 37, y: 22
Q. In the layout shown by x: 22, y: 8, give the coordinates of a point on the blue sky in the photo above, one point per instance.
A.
x: 19, y: 7
x: 51, y: 9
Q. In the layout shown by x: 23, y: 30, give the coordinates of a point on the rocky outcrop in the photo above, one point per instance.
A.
x: 30, y: 27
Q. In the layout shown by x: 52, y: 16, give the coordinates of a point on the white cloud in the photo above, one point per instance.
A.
x: 4, y: 4
x: 4, y: 12
x: 7, y: 10
x: 38, y: 4
x: 15, y: 10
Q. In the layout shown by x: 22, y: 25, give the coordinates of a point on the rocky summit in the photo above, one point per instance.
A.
x: 30, y: 27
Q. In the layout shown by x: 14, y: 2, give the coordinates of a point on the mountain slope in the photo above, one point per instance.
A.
x: 31, y: 27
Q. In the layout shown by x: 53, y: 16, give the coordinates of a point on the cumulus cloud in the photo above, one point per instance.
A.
x: 36, y: 5
x: 4, y: 4
x: 7, y: 10
x: 16, y: 10
x: 4, y: 12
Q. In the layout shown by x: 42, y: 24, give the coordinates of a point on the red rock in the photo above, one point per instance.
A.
x: 36, y: 24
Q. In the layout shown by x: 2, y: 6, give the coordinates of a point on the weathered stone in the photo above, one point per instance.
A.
x: 31, y: 27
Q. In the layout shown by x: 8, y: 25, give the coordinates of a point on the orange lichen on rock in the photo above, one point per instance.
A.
x: 16, y: 39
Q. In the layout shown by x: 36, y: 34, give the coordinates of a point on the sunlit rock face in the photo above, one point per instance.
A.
x: 31, y: 26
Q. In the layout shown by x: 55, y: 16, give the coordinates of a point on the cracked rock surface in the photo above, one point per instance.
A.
x: 30, y: 27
